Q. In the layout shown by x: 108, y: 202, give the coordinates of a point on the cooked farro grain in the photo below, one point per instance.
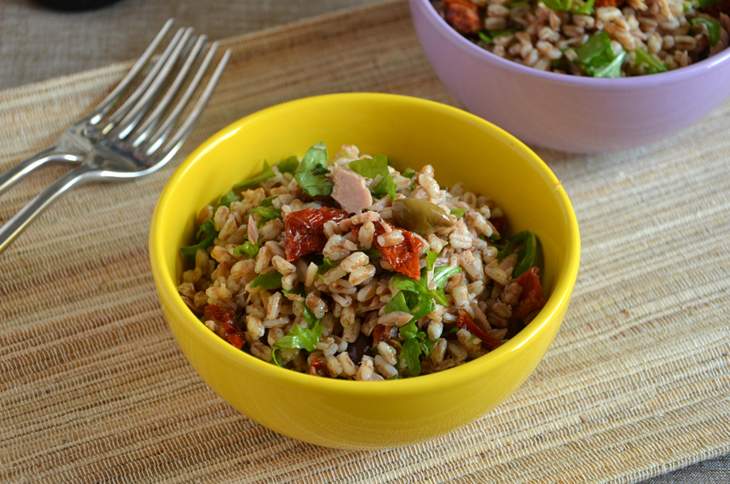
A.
x: 599, y: 38
x: 420, y: 280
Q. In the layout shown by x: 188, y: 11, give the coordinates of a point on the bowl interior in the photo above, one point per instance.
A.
x: 460, y: 146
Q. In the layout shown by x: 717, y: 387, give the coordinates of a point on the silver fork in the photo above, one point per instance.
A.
x: 135, y: 138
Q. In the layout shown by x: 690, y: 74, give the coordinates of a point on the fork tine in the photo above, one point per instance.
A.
x: 164, y: 130
x: 101, y: 109
x: 135, y: 115
x: 187, y: 126
x: 130, y: 102
x: 154, y: 118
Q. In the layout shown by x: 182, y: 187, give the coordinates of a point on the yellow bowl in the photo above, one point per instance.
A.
x: 413, y: 132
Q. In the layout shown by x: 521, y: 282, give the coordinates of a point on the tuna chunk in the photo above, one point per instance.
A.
x: 350, y: 190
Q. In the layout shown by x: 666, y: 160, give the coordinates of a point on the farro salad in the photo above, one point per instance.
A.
x: 354, y: 270
x: 598, y: 38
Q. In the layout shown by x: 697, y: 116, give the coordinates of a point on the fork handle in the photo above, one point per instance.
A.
x: 25, y: 167
x: 18, y: 222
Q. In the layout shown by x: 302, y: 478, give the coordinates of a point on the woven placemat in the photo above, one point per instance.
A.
x: 93, y: 387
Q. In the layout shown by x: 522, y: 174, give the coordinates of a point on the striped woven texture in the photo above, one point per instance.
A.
x: 93, y: 388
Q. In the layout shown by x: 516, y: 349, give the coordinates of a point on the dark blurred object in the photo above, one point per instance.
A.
x: 75, y: 4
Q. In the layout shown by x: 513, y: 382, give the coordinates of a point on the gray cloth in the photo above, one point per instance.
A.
x: 37, y: 43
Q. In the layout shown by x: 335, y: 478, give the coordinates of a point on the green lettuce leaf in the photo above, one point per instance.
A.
x: 311, y: 174
x: 248, y: 249
x: 650, y: 62
x: 205, y: 236
x: 257, y: 180
x: 270, y: 280
x: 228, y: 198
x: 712, y: 26
x: 397, y: 303
x: 288, y: 165
x: 266, y: 213
x: 298, y: 338
x: 375, y: 167
x: 598, y: 58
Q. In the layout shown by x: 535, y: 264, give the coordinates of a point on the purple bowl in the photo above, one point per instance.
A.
x: 564, y: 112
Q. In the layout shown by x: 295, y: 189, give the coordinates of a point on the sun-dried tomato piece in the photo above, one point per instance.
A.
x: 463, y: 15
x: 464, y: 320
x: 211, y: 312
x: 236, y: 339
x: 230, y: 333
x: 380, y: 332
x: 608, y: 3
x: 304, y: 230
x: 532, y: 297
x: 317, y: 366
x: 403, y: 257
x: 224, y: 324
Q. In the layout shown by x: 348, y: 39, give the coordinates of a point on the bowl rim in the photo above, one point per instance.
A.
x: 645, y: 81
x: 559, y: 298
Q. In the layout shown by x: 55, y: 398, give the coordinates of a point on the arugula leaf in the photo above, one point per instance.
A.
x: 424, y: 306
x: 711, y: 25
x: 409, y: 330
x: 205, y: 236
x: 410, y: 355
x: 248, y: 248
x: 397, y: 303
x: 611, y: 70
x: 288, y: 165
x: 458, y: 212
x: 298, y: 338
x: 598, y: 58
x: 311, y: 174
x: 267, y: 202
x: 424, y: 299
x: 416, y: 344
x: 699, y: 4
x: 309, y: 317
x: 650, y: 62
x: 488, y: 36
x: 270, y: 280
x: 442, y: 274
x: 375, y: 167
x: 573, y: 6
x: 441, y: 277
x: 431, y: 257
x: 266, y: 213
x: 326, y: 265
x: 370, y: 167
x: 506, y: 249
x: 386, y: 186
x: 403, y: 283
x: 583, y: 8
x: 421, y: 301
x: 528, y: 253
x: 409, y: 173
x: 298, y: 290
x: 257, y: 180
x: 415, y: 297
x: 228, y: 198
